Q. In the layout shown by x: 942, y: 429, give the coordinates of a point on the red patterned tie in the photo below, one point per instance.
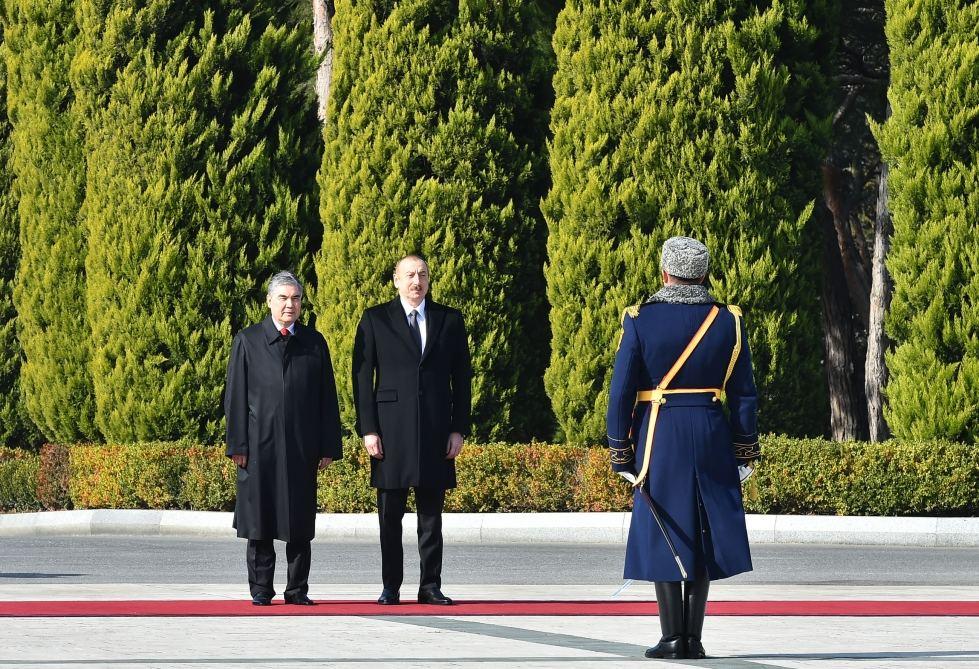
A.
x: 284, y: 332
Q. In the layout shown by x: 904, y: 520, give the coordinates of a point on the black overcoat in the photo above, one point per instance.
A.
x: 280, y: 403
x: 412, y: 400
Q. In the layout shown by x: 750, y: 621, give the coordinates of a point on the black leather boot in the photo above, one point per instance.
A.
x: 669, y: 600
x: 694, y: 608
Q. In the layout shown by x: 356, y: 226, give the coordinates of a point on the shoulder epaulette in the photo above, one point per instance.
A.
x: 631, y: 312
x: 734, y: 309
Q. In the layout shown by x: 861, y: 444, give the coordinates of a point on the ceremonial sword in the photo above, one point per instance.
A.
x: 662, y: 528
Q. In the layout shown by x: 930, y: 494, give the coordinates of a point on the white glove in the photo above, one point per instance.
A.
x: 745, y: 471
x: 628, y: 476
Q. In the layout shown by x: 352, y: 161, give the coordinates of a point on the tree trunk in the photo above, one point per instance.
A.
x: 323, y: 46
x: 860, y: 70
x: 880, y: 301
x: 855, y: 273
x: 845, y: 401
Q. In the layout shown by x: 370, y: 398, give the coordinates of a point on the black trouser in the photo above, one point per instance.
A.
x: 260, y: 556
x: 391, y: 505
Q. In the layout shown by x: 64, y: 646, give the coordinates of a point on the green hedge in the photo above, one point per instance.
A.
x: 18, y: 480
x: 894, y: 478
x: 797, y: 476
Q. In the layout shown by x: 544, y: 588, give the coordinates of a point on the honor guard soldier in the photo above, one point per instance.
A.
x: 681, y: 354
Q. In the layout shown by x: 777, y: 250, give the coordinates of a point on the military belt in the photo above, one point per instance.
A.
x: 658, y: 395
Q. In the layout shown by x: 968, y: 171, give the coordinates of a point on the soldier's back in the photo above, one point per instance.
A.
x: 665, y: 329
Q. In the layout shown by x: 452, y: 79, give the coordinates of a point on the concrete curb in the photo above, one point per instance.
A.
x: 498, y: 528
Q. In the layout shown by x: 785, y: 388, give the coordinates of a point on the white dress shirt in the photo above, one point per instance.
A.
x: 420, y: 319
x: 279, y: 326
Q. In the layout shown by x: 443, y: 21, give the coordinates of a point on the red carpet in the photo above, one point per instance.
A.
x: 230, y: 608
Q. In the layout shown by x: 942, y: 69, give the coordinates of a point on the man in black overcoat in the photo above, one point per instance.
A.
x: 411, y: 379
x: 283, y: 424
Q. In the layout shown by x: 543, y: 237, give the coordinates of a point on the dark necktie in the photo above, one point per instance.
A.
x: 416, y: 333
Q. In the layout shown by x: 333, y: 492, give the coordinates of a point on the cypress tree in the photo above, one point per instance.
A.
x: 48, y: 165
x: 434, y: 143
x: 930, y: 144
x: 16, y: 428
x: 674, y: 117
x: 197, y: 169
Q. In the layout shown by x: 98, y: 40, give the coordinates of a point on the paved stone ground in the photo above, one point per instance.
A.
x: 444, y: 640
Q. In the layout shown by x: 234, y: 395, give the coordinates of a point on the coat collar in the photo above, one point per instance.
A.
x: 272, y: 333
x: 682, y: 294
x: 434, y: 315
x: 268, y: 329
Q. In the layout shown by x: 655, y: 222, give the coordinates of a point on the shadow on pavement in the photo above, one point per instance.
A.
x: 947, y: 655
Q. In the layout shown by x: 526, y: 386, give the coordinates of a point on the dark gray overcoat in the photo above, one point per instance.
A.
x: 280, y: 403
x: 412, y: 399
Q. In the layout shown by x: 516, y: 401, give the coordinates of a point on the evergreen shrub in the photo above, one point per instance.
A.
x: 18, y: 480
x: 208, y: 482
x: 201, y: 167
x: 48, y: 164
x: 344, y: 486
x: 598, y: 487
x: 674, y: 117
x: 892, y: 478
x: 16, y: 427
x: 127, y: 476
x: 515, y: 477
x: 53, y: 477
x: 435, y: 144
x: 930, y: 143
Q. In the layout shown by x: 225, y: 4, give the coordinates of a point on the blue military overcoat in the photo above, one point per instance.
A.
x: 693, y: 476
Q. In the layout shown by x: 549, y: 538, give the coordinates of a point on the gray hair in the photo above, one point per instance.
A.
x: 284, y: 278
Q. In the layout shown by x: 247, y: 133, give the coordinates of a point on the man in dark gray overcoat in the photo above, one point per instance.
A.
x: 411, y: 378
x: 283, y: 424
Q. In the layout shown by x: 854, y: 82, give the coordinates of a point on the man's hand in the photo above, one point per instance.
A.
x: 240, y: 460
x: 454, y: 446
x: 372, y: 443
x: 324, y: 463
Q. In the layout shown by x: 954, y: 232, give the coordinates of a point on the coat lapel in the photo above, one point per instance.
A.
x: 268, y: 329
x: 272, y: 337
x: 434, y: 316
x: 400, y: 325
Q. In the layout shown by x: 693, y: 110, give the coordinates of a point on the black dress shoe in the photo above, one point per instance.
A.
x: 389, y: 597
x: 695, y: 649
x: 301, y: 600
x: 668, y: 648
x: 433, y: 596
x: 261, y: 600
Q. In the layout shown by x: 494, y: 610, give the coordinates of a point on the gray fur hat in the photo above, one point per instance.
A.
x: 684, y: 258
